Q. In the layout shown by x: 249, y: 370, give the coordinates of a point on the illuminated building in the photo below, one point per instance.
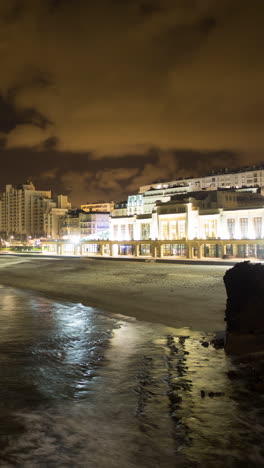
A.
x: 26, y: 212
x: 217, y: 216
x: 85, y: 225
x: 243, y: 177
x: 22, y: 211
x: 212, y: 224
x: 99, y: 206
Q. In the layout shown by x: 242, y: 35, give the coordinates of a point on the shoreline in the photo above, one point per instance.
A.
x: 175, y: 295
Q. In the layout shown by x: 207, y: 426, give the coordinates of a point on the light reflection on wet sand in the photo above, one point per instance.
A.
x: 83, y: 389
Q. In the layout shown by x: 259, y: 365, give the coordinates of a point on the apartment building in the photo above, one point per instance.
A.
x: 53, y: 215
x: 243, y: 177
x: 22, y: 211
x: 26, y: 212
x: 78, y: 224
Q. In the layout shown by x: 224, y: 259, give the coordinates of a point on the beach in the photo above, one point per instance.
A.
x: 176, y: 295
x: 85, y: 385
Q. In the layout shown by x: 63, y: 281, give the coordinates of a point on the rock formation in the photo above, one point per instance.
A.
x: 245, y: 308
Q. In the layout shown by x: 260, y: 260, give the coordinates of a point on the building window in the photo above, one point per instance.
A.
x: 173, y: 230
x: 123, y: 231
x: 145, y: 231
x: 210, y: 228
x: 115, y: 231
x: 244, y: 227
x: 181, y: 229
x: 130, y: 231
x: 231, y: 228
x: 165, y: 230
x: 258, y: 227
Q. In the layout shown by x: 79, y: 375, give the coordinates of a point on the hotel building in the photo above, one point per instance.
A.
x: 26, y: 212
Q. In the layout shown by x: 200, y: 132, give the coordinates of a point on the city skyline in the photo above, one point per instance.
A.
x: 98, y: 100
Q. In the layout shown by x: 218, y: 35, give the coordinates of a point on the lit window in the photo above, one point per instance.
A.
x: 165, y: 230
x: 258, y: 227
x: 145, y: 231
x: 244, y: 227
x: 181, y: 229
x: 231, y: 228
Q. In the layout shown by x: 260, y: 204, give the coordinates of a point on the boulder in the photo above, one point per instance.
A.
x: 244, y: 308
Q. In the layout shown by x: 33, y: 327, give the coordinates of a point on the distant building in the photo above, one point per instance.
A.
x: 54, y: 214
x: 120, y: 209
x: 26, y: 212
x: 78, y: 224
x: 243, y: 177
x: 94, y: 225
x: 218, y: 214
x: 70, y: 224
x: 99, y: 206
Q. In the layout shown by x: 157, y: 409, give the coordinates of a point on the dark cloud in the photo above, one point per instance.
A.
x: 87, y: 179
x: 13, y: 11
x: 150, y: 8
x: 51, y: 143
x: 10, y: 117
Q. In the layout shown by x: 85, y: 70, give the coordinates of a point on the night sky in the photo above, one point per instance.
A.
x: 100, y: 97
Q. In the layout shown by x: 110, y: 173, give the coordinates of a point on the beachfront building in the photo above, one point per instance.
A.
x: 53, y: 215
x: 94, y: 225
x: 214, y: 224
x: 196, y: 216
x: 78, y: 225
x: 226, y: 178
x: 102, y: 206
x: 70, y: 224
x: 216, y: 215
x: 28, y: 213
x: 22, y: 211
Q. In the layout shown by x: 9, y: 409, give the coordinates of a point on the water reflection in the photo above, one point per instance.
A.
x: 79, y: 388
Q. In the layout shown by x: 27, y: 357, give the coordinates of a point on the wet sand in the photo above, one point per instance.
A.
x: 176, y: 295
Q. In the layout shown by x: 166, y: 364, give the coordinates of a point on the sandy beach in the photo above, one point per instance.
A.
x: 176, y: 295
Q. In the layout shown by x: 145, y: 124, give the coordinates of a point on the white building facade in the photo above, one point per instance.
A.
x: 199, y: 216
x: 244, y: 177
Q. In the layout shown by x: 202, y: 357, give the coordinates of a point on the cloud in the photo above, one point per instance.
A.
x: 106, y: 184
x: 107, y: 76
x: 27, y: 135
x: 50, y: 174
x: 117, y: 183
x: 97, y: 99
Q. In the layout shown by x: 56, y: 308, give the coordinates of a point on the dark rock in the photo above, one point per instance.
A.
x: 182, y: 339
x: 244, y: 308
x: 174, y: 349
x: 215, y: 394
x: 258, y: 387
x: 174, y: 399
x: 211, y: 394
x: 218, y: 343
x: 205, y: 344
x: 232, y: 374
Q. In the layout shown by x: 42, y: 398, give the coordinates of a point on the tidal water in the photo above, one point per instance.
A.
x: 79, y: 388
